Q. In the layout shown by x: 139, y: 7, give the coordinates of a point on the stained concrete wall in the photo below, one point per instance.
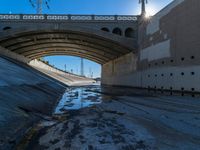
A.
x: 168, y: 57
x: 174, y: 78
x: 122, y: 72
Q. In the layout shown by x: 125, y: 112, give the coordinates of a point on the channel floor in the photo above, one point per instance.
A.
x: 111, y: 118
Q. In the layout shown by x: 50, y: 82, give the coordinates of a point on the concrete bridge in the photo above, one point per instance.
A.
x: 164, y: 61
x: 97, y: 38
x: 134, y: 51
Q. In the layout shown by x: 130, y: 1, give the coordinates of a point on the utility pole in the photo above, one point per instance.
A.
x: 65, y: 67
x: 90, y: 70
x: 82, y: 67
x: 143, y: 7
x: 39, y: 6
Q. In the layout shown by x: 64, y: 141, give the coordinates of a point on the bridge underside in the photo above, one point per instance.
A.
x: 40, y: 43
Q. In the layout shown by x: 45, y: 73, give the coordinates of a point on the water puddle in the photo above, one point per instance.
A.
x: 77, y: 98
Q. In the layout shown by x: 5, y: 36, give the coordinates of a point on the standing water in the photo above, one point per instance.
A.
x: 77, y: 98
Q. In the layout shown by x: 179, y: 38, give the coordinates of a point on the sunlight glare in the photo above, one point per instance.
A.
x: 150, y: 11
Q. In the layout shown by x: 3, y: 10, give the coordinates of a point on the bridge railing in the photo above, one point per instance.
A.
x: 68, y: 17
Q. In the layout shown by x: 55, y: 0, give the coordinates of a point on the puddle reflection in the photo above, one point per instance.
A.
x: 77, y: 98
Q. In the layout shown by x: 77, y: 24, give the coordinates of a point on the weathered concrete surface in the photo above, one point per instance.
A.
x: 15, y: 56
x: 35, y: 38
x: 26, y: 96
x: 168, y: 57
x: 127, y: 119
x: 123, y: 72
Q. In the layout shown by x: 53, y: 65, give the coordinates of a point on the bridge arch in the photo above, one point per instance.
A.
x: 105, y: 29
x: 117, y: 31
x: 39, y: 41
x: 6, y: 28
x: 130, y: 33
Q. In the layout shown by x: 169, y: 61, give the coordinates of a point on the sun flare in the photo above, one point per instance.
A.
x: 150, y: 11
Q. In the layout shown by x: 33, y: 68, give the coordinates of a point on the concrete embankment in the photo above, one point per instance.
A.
x: 64, y: 77
x: 25, y: 96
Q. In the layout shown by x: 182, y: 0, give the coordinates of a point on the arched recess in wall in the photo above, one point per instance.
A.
x: 117, y: 31
x: 105, y: 29
x: 130, y: 33
x: 6, y: 28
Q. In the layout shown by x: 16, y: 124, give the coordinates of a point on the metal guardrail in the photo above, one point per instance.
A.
x: 68, y: 17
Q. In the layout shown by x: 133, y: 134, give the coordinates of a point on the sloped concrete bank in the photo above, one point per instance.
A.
x: 26, y: 96
x: 64, y: 77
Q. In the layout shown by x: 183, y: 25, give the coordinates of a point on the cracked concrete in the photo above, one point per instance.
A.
x: 124, y: 120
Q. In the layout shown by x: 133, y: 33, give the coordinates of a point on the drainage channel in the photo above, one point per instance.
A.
x: 99, y: 118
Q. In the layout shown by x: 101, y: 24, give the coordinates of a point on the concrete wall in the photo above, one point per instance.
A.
x: 168, y: 57
x: 176, y: 78
x: 122, y: 71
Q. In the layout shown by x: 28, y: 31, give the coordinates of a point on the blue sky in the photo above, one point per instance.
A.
x: 102, y: 7
x: 98, y: 7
